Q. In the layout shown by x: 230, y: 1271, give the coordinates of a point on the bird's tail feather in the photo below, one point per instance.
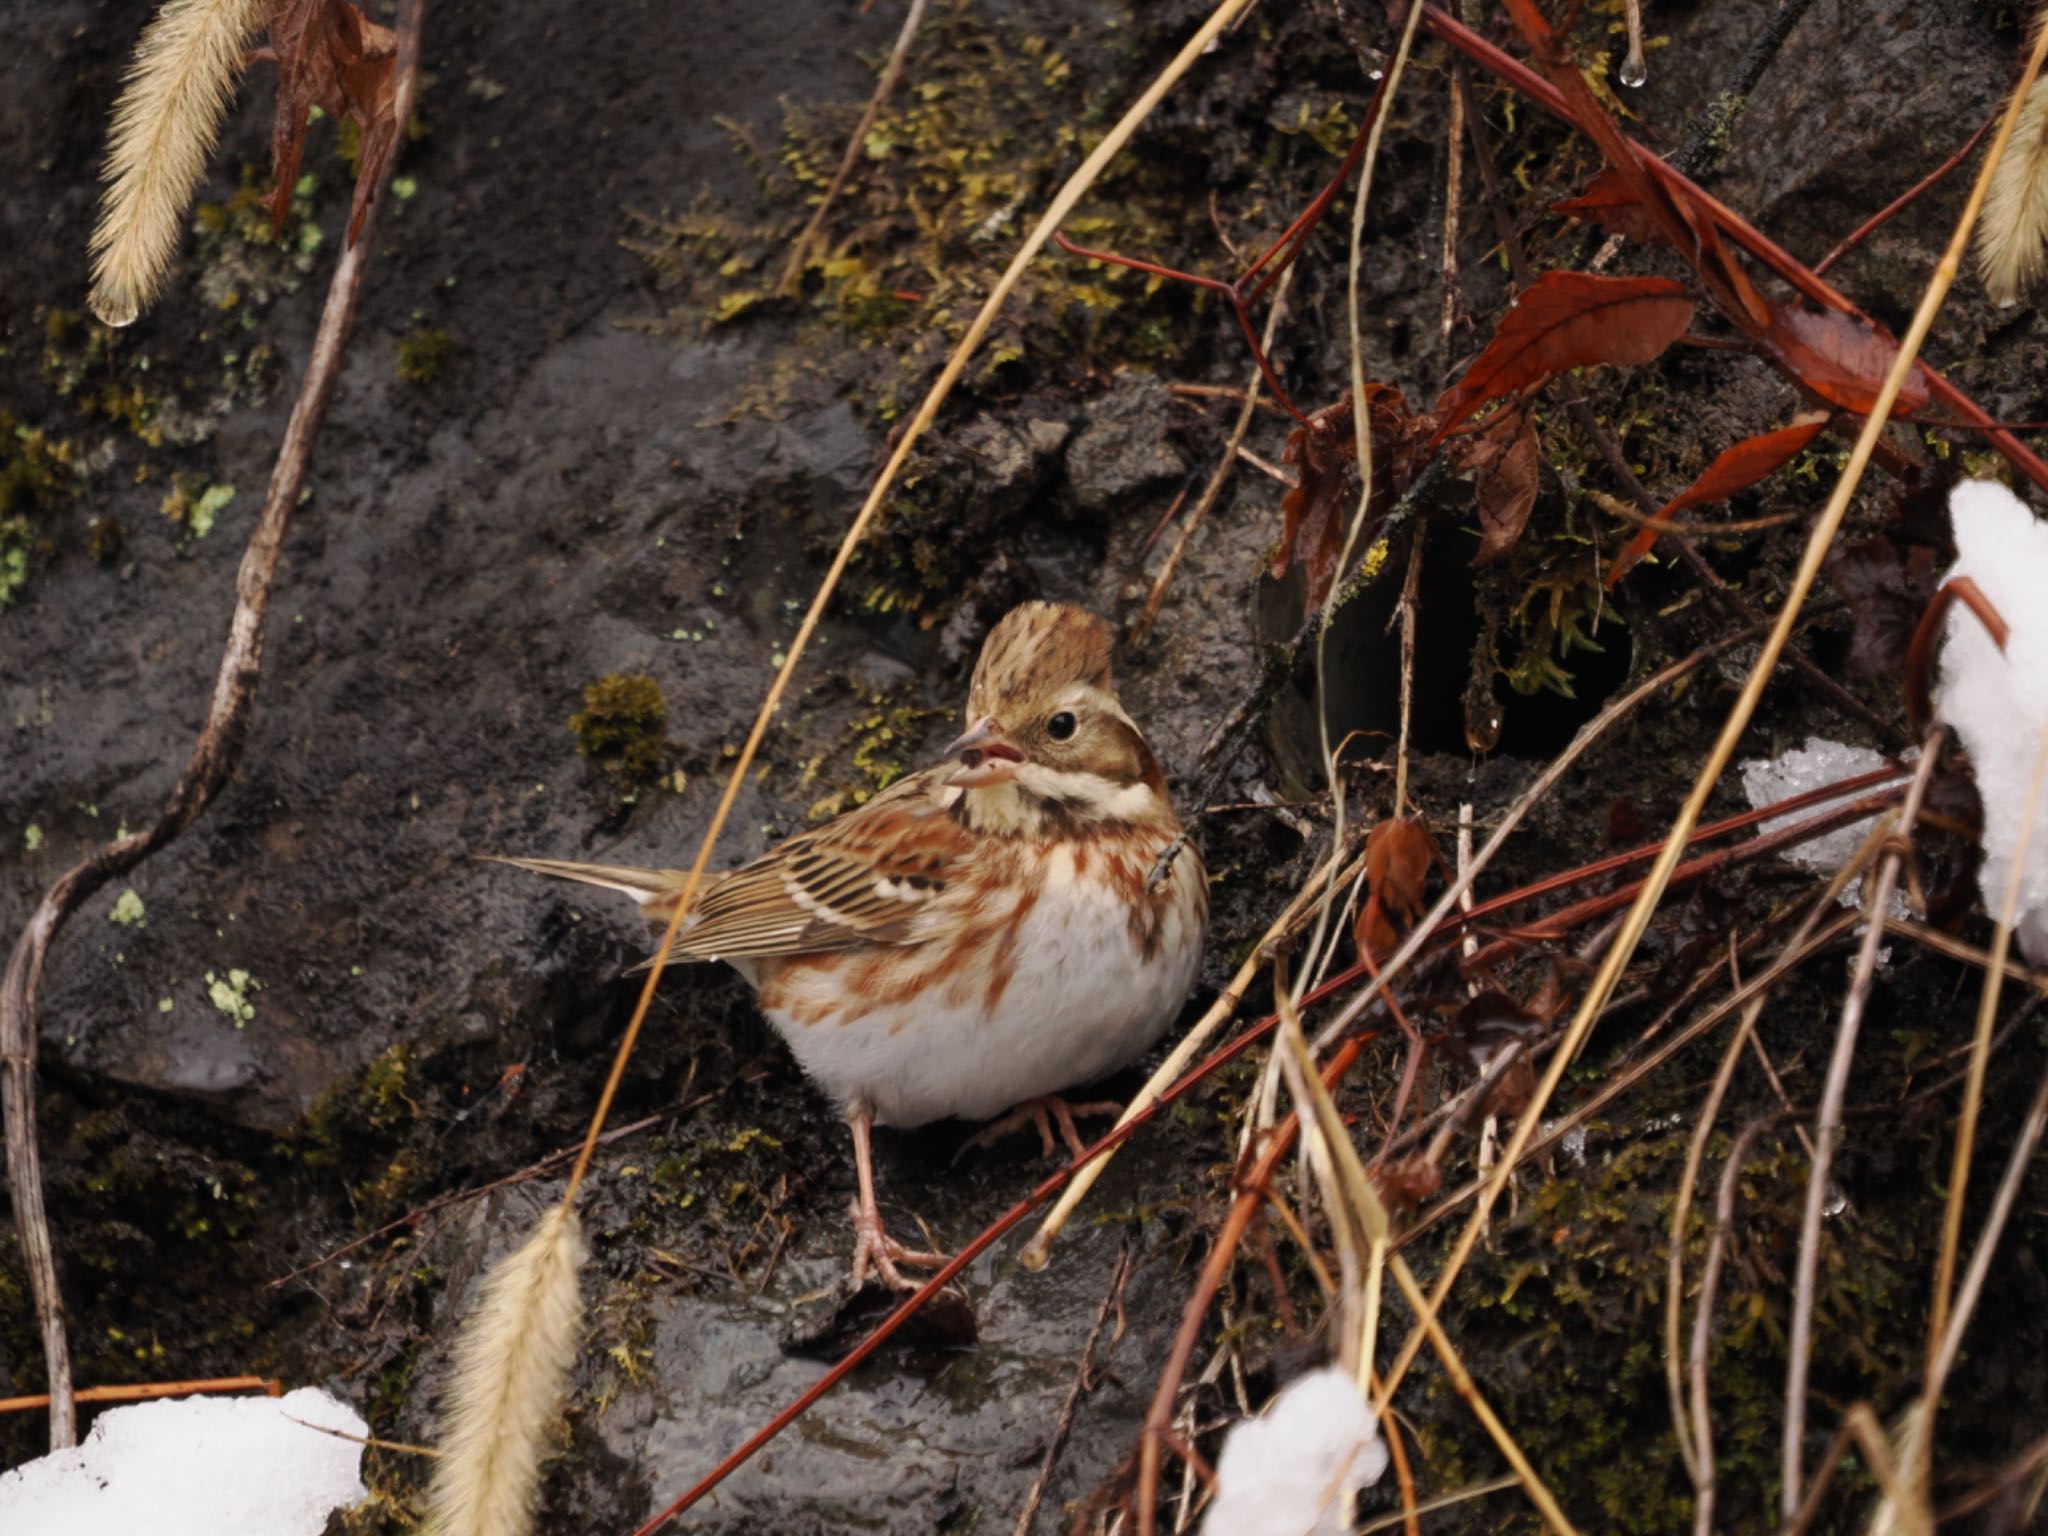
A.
x: 654, y: 889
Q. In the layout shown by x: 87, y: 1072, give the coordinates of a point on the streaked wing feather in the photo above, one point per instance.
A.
x: 871, y: 877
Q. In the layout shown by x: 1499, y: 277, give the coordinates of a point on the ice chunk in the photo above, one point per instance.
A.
x: 194, y: 1466
x: 1294, y: 1470
x: 1819, y: 763
x: 1997, y: 702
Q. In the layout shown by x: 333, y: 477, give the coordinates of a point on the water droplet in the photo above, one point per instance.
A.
x: 1632, y: 72
x: 1835, y: 1203
x: 115, y: 310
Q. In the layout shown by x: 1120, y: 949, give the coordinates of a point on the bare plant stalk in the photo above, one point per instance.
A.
x: 1827, y: 1131
x: 1916, y: 1442
x: 855, y: 143
x: 1361, y: 433
x: 213, y: 758
x: 1156, y: 599
x: 1695, y: 1438
x: 1818, y: 544
x: 1084, y: 1379
x: 1703, y: 1325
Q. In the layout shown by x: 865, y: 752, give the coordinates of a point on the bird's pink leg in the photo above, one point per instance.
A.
x: 871, y: 1240
x: 1044, y: 1113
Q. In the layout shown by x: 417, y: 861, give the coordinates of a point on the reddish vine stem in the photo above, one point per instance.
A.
x: 1905, y: 199
x: 1267, y: 268
x: 213, y: 758
x: 1251, y: 1194
x: 1222, y: 1056
x: 1920, y: 651
x: 1527, y: 82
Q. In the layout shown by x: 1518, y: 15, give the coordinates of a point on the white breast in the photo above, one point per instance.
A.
x: 1084, y: 1000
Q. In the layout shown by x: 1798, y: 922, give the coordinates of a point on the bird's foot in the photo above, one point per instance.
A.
x: 873, y: 1245
x: 1043, y: 1113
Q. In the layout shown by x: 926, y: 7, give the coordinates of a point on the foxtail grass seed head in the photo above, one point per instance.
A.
x: 511, y: 1363
x: 165, y: 124
x: 2012, y: 239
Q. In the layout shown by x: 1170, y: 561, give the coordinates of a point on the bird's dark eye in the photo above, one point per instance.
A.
x: 1061, y: 726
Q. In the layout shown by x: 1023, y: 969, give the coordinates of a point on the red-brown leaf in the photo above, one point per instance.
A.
x: 1397, y: 858
x: 1840, y: 357
x: 1504, y: 461
x: 1317, y: 513
x: 1608, y: 203
x: 1570, y: 320
x: 1734, y: 470
x: 331, y: 56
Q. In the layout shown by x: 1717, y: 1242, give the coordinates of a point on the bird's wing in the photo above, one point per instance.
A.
x: 877, y: 875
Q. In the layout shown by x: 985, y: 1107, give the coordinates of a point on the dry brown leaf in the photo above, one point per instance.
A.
x: 331, y: 56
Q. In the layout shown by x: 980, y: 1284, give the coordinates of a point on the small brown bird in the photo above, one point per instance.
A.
x: 985, y: 933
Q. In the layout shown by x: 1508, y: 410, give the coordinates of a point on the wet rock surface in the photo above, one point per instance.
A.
x: 319, y: 1011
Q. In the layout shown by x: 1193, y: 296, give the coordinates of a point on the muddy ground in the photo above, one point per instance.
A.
x: 580, y: 437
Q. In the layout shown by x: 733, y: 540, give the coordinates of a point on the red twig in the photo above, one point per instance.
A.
x: 973, y: 1250
x: 1251, y: 1192
x: 1920, y: 652
x: 1532, y: 85
x: 1252, y: 284
x: 1226, y: 1053
x: 1898, y: 205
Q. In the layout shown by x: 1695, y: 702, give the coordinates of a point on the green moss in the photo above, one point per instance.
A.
x: 361, y: 1119
x: 17, y: 540
x: 423, y: 354
x: 990, y: 116
x: 621, y: 725
x: 193, y: 504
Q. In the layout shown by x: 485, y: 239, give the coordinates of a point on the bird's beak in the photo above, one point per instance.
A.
x: 986, y: 756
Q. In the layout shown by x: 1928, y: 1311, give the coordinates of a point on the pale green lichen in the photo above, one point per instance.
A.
x: 231, y: 994
x: 32, y: 837
x: 127, y: 909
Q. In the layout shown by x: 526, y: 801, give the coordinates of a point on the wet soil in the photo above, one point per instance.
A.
x: 318, y: 1011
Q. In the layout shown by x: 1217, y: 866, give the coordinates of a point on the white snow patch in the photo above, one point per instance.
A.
x: 1294, y: 1470
x: 194, y: 1466
x: 1997, y: 703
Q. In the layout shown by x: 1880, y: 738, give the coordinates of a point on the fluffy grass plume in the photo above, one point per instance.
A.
x: 510, y: 1366
x: 2012, y: 239
x: 165, y: 125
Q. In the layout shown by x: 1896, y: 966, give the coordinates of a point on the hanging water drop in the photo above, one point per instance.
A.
x: 1632, y: 72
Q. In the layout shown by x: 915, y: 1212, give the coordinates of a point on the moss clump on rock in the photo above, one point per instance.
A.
x: 423, y: 354
x: 621, y: 725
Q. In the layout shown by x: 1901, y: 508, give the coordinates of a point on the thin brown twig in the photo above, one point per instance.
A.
x: 1601, y: 990
x: 534, y: 1170
x: 1703, y: 1321
x: 1898, y: 205
x: 214, y: 755
x: 1218, y: 478
x: 1827, y: 1129
x: 793, y: 271
x: 1084, y: 1370
x: 1695, y: 1437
